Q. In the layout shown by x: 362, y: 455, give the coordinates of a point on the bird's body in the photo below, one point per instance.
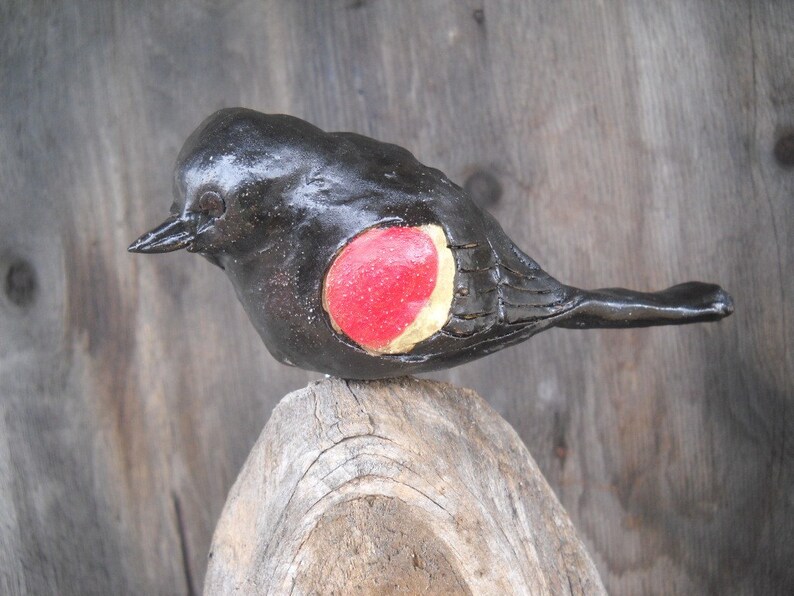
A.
x: 354, y: 259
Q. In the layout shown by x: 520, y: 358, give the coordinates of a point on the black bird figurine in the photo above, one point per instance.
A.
x: 352, y: 258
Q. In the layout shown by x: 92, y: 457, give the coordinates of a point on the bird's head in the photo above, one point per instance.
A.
x: 230, y: 181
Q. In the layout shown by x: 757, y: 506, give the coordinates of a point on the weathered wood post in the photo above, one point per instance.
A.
x: 402, y: 486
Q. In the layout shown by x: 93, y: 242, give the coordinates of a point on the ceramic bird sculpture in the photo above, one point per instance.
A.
x: 352, y: 258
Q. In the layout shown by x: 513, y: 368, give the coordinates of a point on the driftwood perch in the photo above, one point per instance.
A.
x: 403, y: 486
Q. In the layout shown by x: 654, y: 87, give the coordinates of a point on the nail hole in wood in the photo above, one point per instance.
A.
x: 784, y: 150
x: 484, y: 188
x: 20, y: 283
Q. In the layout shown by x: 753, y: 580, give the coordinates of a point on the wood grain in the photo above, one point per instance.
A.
x: 402, y: 486
x: 634, y: 144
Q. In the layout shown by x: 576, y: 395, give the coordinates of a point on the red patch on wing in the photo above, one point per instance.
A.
x: 379, y: 283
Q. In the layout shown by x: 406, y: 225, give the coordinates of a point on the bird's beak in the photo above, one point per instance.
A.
x: 171, y: 235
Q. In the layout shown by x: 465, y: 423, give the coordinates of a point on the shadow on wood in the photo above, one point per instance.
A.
x: 399, y: 486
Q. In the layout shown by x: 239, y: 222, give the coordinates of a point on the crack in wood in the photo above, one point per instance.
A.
x: 183, y: 545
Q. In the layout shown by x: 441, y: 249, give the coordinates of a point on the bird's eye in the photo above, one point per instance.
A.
x: 211, y: 204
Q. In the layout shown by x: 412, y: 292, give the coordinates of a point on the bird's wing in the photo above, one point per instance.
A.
x: 497, y: 285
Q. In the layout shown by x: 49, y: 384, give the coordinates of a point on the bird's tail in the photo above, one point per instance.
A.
x: 690, y: 302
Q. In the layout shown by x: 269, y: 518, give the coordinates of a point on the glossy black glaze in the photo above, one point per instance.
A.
x: 271, y: 199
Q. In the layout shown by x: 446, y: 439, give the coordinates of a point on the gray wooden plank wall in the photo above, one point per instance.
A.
x: 635, y: 143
